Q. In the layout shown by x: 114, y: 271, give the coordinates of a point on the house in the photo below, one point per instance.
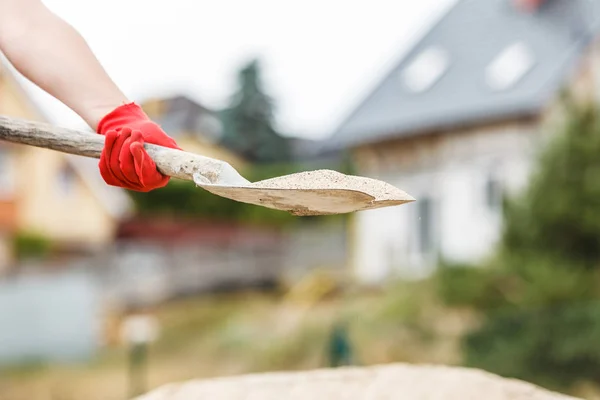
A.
x: 456, y: 123
x: 58, y: 196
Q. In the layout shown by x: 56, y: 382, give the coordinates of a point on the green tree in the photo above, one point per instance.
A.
x: 540, y: 296
x: 560, y: 213
x: 248, y: 122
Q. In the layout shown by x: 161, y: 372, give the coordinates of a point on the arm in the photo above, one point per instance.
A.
x: 55, y: 57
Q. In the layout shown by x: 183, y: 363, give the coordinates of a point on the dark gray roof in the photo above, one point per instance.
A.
x: 303, y: 148
x: 473, y: 33
x: 185, y: 116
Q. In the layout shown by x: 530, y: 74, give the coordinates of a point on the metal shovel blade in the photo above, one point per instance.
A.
x: 321, y: 192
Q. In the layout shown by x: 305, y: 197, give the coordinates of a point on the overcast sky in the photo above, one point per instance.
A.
x: 320, y: 56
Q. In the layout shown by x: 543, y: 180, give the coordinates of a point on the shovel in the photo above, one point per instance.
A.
x: 320, y: 192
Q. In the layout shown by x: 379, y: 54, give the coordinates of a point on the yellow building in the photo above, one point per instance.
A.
x: 59, y: 196
x: 63, y: 197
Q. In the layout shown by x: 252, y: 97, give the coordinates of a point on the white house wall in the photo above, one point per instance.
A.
x: 467, y: 226
x: 372, y: 263
x: 464, y: 226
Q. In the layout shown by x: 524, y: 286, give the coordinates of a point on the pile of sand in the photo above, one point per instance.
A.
x: 329, y: 179
x: 395, y: 381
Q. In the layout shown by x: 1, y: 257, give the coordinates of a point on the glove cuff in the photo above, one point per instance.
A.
x: 121, y: 116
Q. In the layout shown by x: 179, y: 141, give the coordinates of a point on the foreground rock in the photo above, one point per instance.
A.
x: 395, y: 381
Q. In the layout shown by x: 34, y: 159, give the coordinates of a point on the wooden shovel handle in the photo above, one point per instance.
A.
x: 174, y: 163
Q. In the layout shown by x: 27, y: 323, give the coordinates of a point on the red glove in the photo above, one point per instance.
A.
x: 124, y: 161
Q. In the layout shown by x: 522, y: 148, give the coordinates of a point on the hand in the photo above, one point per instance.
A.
x: 124, y: 161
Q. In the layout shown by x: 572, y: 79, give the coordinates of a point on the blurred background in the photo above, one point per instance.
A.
x: 484, y: 110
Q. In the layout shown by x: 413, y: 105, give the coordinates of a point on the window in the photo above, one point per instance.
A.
x: 509, y: 66
x: 493, y: 193
x: 426, y: 69
x: 6, y: 173
x: 66, y: 180
x: 424, y: 226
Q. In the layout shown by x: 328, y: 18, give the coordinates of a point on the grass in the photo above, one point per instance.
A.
x: 253, y: 332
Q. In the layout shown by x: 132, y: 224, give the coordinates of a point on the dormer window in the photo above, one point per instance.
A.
x: 426, y: 69
x: 509, y: 66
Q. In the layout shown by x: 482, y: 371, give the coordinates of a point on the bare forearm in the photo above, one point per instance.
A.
x: 55, y: 57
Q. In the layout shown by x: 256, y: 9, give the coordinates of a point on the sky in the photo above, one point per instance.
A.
x: 319, y: 58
